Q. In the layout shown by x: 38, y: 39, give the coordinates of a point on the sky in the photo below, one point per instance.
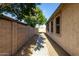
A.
x: 48, y: 8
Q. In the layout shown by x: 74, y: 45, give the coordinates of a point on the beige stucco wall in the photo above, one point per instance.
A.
x: 68, y: 39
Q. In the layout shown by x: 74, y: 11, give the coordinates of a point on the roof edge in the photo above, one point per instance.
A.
x: 11, y: 19
x: 59, y: 7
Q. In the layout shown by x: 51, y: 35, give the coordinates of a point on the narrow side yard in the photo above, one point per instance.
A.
x: 41, y: 45
x: 53, y: 48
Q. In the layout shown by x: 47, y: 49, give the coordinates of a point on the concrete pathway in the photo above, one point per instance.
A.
x: 50, y: 47
x: 53, y: 48
x: 41, y: 48
x: 41, y: 45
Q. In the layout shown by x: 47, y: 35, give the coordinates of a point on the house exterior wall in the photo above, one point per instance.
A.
x: 68, y: 38
x: 13, y: 36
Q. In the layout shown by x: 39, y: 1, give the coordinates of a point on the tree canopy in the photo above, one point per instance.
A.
x: 29, y: 12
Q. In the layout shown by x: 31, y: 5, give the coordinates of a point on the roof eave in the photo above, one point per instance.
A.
x: 11, y: 19
x: 59, y: 7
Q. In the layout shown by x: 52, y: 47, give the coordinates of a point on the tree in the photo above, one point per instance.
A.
x: 18, y: 9
x: 40, y: 17
x: 31, y: 20
x: 29, y: 12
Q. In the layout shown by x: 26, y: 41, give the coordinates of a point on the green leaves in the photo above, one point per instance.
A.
x: 29, y: 12
x: 40, y: 17
x: 31, y: 20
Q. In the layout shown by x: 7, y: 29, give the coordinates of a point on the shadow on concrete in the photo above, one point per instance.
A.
x: 60, y: 51
x: 39, y: 43
x: 35, y: 43
x: 26, y: 49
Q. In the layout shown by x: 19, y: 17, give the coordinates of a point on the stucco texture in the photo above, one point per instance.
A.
x: 68, y: 38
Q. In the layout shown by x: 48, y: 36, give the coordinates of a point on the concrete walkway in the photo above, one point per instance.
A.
x: 53, y: 48
x: 42, y: 45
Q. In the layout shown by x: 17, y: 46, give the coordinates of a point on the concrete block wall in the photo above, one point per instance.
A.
x: 13, y: 35
x: 5, y: 37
